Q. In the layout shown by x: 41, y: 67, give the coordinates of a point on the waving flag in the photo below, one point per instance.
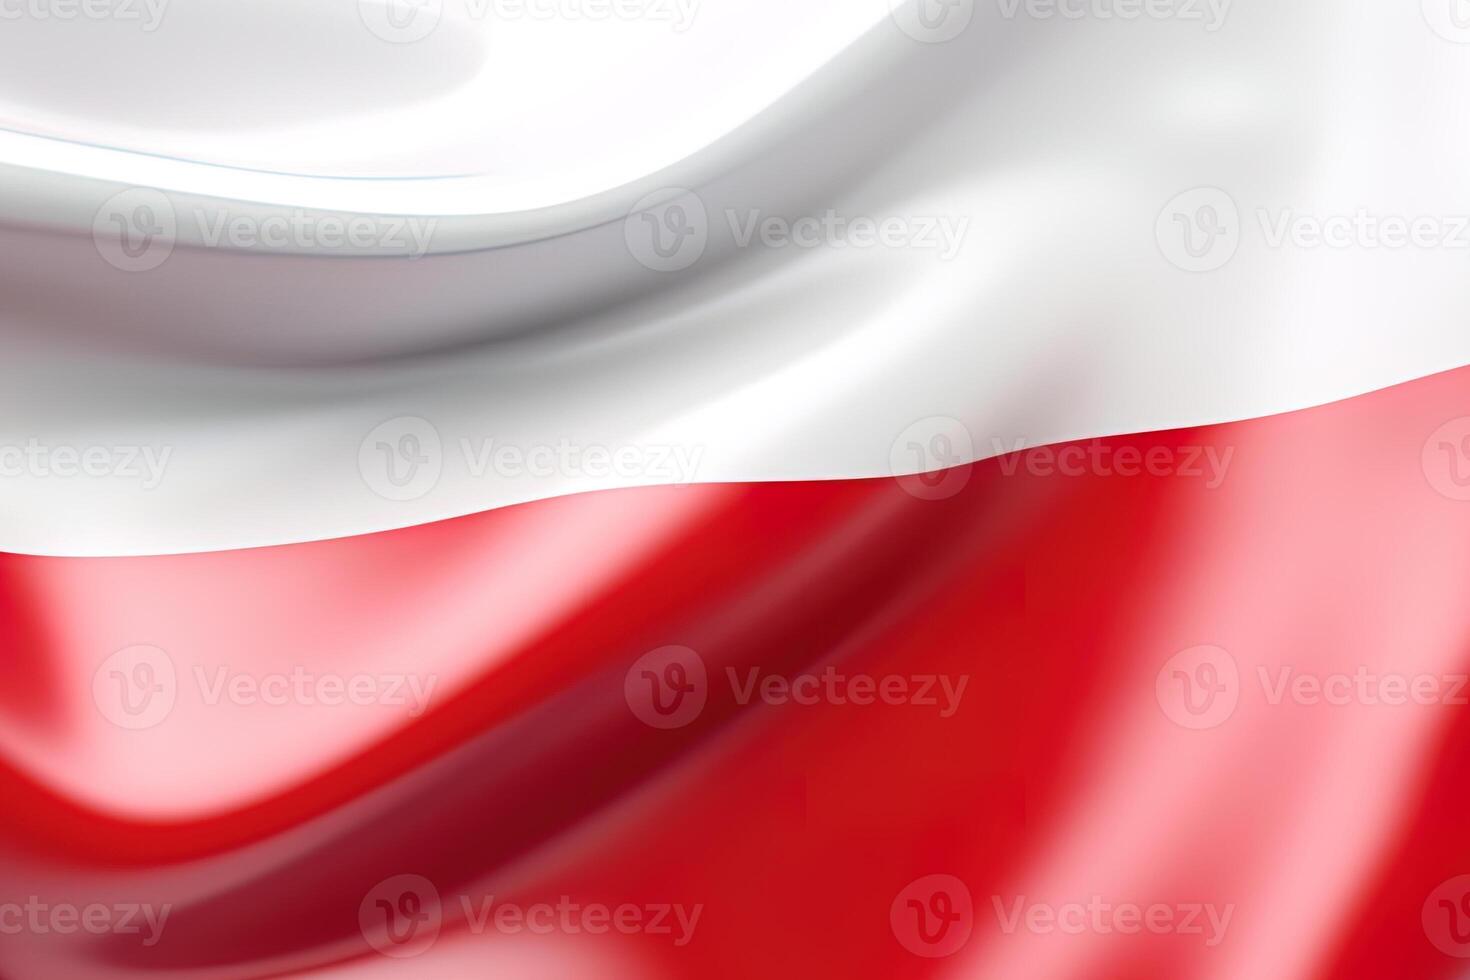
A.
x: 696, y: 489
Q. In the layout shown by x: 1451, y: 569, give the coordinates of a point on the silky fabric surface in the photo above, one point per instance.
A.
x: 1076, y: 759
